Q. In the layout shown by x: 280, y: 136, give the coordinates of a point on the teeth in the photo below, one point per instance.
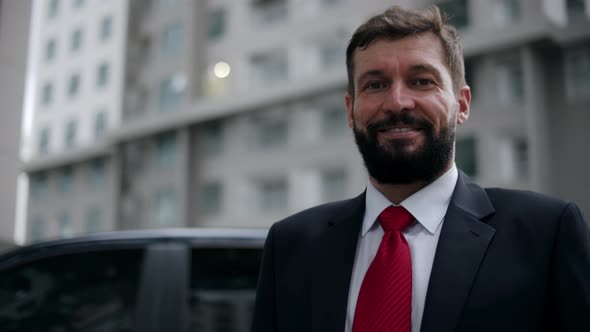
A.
x: 400, y: 130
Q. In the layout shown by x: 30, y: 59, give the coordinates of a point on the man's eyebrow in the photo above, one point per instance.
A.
x: 369, y: 73
x: 426, y: 68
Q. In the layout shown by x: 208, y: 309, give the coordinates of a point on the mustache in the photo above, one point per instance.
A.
x: 403, y: 118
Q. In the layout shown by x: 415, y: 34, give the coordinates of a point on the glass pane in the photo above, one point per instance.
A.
x: 466, y: 158
x: 90, y: 292
x: 456, y: 11
x: 216, y: 24
x: 222, y: 289
x: 273, y: 195
x: 334, y: 185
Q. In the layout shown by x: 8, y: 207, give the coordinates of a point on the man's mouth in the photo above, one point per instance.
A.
x: 400, y: 132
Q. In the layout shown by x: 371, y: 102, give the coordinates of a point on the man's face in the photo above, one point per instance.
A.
x: 404, y: 111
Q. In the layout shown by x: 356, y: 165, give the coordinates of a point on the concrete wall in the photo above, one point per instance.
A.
x: 14, y: 37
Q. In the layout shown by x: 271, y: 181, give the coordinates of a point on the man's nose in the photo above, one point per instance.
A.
x: 399, y: 98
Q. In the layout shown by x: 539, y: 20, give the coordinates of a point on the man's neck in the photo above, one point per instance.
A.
x: 397, y: 193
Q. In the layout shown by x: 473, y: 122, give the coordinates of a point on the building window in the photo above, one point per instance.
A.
x: 470, y: 74
x: 66, y: 228
x: 78, y: 3
x: 265, y: 12
x: 166, y: 149
x: 74, y: 85
x: 575, y: 8
x: 330, y: 3
x: 53, y: 8
x: 272, y: 195
x: 47, y: 94
x: 166, y: 3
x: 100, y: 124
x: 271, y: 133
x: 172, y: 39
x: 211, y: 141
x: 165, y: 208
x: 38, y: 229
x: 97, y: 172
x: 457, y: 12
x: 217, y: 22
x: 466, y: 155
x: 106, y: 27
x: 334, y: 185
x: 333, y: 121
x: 94, y: 220
x: 76, y: 40
x: 509, y: 78
x: 211, y: 199
x: 171, y: 92
x: 70, y: 134
x: 102, y: 76
x: 269, y: 67
x: 332, y: 56
x: 505, y: 11
x: 39, y: 185
x: 513, y: 159
x: 50, y: 49
x: 577, y: 73
x: 44, y: 140
x: 66, y: 179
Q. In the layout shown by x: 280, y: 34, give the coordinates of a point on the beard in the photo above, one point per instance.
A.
x: 392, y: 163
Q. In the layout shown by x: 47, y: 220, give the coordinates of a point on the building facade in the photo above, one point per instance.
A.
x: 14, y: 30
x: 231, y: 113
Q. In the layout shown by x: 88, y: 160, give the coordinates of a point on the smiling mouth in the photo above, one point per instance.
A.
x: 400, y: 132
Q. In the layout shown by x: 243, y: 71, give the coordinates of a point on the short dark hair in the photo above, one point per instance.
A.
x: 397, y: 22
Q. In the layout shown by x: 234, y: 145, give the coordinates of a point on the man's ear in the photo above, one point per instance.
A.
x: 464, y: 100
x: 349, y: 101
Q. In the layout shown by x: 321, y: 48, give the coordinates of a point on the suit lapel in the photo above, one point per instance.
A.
x: 463, y: 242
x: 332, y: 270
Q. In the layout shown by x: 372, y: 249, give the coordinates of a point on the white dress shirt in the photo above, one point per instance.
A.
x: 429, y: 206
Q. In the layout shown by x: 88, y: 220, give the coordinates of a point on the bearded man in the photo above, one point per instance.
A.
x: 423, y: 248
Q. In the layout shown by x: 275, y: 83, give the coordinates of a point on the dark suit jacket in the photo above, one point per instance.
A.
x: 506, y: 260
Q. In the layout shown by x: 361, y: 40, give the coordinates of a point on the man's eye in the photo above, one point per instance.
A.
x: 423, y: 82
x: 375, y: 85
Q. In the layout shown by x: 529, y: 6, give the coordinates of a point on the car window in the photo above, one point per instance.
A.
x: 90, y: 292
x: 223, y: 288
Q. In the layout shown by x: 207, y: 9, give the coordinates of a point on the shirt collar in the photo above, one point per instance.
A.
x: 428, y: 205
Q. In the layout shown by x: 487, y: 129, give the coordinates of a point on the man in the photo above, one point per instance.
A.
x: 423, y: 248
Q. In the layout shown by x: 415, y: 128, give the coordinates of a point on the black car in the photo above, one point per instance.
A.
x: 151, y: 280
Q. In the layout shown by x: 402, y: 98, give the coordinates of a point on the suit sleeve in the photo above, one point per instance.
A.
x: 264, y: 319
x: 570, y: 280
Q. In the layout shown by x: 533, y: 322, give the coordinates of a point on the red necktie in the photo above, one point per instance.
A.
x: 385, y: 298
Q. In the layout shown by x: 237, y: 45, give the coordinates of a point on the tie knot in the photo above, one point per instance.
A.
x: 395, y: 218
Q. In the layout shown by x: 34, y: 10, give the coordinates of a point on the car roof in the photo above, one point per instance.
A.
x: 126, y: 239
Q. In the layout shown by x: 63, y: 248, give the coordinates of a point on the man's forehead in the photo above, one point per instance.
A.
x: 420, y: 52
